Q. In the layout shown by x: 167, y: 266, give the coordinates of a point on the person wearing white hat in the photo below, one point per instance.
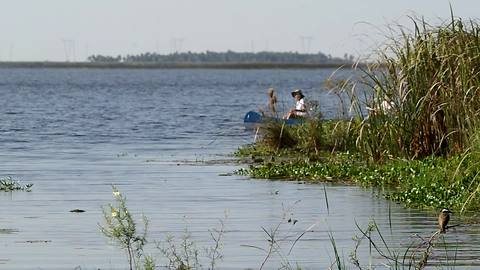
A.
x: 300, y: 109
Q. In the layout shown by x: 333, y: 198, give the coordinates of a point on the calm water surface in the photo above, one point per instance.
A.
x: 73, y: 133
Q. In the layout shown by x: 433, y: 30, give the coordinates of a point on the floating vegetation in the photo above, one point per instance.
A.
x: 38, y: 241
x: 8, y: 231
x: 427, y: 183
x: 8, y: 184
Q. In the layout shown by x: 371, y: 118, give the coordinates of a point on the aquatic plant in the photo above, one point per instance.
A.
x: 213, y: 252
x: 425, y: 92
x: 184, y: 254
x: 428, y: 183
x: 341, y: 135
x: 338, y: 262
x: 277, y: 135
x: 120, y: 227
x: 312, y: 137
x: 415, y: 255
x: 8, y: 184
x: 279, y: 240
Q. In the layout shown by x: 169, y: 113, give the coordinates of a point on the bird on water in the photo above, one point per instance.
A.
x: 443, y: 219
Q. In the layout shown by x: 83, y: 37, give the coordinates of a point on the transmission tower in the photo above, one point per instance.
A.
x: 10, y: 52
x: 176, y: 44
x: 306, y: 42
x: 69, y: 48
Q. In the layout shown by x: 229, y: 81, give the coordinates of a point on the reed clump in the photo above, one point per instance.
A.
x: 277, y: 135
x: 425, y: 96
x: 313, y: 136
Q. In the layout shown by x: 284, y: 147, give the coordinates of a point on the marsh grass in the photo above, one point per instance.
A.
x: 338, y: 263
x: 312, y: 137
x: 425, y: 97
x: 277, y: 135
x: 326, y: 199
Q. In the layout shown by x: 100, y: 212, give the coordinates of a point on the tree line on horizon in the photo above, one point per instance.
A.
x: 224, y: 57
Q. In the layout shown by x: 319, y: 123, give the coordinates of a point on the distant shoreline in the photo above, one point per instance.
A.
x: 139, y: 65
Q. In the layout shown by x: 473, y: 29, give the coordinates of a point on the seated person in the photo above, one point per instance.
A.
x: 300, y: 109
x: 272, y: 104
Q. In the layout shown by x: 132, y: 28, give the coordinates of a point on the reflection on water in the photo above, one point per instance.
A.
x: 73, y: 133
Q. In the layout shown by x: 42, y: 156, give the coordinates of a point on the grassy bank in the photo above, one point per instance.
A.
x: 414, y: 130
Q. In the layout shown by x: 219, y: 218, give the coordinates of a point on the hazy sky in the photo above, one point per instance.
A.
x: 60, y: 29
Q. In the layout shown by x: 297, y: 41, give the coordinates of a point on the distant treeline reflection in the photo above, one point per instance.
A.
x: 228, y: 57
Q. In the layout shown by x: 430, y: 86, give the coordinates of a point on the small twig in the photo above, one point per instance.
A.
x: 453, y: 226
x: 426, y: 254
x: 250, y: 246
x: 380, y: 252
x: 300, y: 236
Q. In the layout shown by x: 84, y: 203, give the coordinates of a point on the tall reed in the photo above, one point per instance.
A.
x: 425, y: 96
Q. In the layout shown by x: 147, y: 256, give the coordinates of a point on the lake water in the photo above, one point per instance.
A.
x: 152, y: 133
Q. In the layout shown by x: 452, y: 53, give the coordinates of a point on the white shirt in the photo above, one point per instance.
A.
x: 300, y: 105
